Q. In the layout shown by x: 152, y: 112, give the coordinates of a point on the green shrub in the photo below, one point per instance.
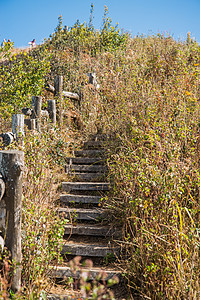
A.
x: 22, y: 76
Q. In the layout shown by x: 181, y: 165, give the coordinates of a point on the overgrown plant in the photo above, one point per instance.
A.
x: 148, y: 102
x: 21, y: 75
x: 99, y: 288
x: 6, y: 270
x: 43, y: 228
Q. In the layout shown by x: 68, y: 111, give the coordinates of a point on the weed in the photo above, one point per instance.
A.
x: 148, y: 102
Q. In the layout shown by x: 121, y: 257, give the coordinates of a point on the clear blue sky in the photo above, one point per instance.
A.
x: 23, y: 20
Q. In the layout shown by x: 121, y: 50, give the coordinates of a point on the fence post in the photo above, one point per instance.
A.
x: 30, y: 123
x: 58, y: 84
x: 80, y: 96
x: 51, y: 108
x: 11, y: 167
x: 93, y: 80
x: 36, y: 106
x: 2, y: 211
x: 18, y: 126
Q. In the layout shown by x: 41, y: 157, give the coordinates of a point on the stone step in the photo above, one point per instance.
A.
x: 85, y: 177
x: 58, y: 297
x: 89, y: 250
x: 93, y: 144
x: 85, y: 186
x: 100, y: 137
x: 91, y: 230
x: 68, y: 198
x: 89, y: 153
x: 85, y: 168
x: 85, y: 160
x: 85, y: 214
x: 93, y: 272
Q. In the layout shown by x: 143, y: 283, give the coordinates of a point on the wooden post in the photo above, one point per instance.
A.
x: 58, y: 84
x: 18, y: 127
x: 80, y: 96
x: 93, y: 80
x: 11, y: 167
x: 2, y: 212
x: 2, y: 187
x: 30, y: 123
x: 36, y: 108
x: 51, y: 107
x: 70, y: 95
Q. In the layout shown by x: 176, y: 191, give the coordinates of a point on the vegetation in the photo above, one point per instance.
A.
x: 21, y: 75
x: 148, y: 102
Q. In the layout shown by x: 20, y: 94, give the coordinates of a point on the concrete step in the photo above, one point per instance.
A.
x: 85, y: 160
x: 68, y: 198
x: 85, y: 177
x: 93, y: 272
x: 85, y: 214
x: 89, y: 250
x: 85, y: 186
x: 91, y: 230
x: 93, y: 144
x: 85, y: 168
x: 89, y: 153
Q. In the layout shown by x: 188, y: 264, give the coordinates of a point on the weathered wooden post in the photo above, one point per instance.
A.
x: 2, y: 212
x: 2, y: 187
x: 58, y: 84
x: 93, y: 80
x: 18, y: 127
x: 8, y: 138
x: 51, y: 108
x: 80, y: 96
x: 31, y: 123
x: 11, y: 167
x: 36, y: 106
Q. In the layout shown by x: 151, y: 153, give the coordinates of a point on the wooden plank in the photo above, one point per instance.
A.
x: 85, y: 160
x: 67, y: 198
x: 85, y: 186
x: 70, y: 95
x: 93, y: 272
x: 86, y: 168
x: 88, y: 250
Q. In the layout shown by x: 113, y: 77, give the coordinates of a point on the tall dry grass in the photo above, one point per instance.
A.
x: 148, y: 102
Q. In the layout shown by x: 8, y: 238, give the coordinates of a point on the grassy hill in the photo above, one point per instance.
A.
x: 148, y: 101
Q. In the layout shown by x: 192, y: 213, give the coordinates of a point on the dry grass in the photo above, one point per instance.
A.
x: 148, y: 102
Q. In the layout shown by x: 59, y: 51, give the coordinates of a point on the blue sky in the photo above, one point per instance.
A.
x: 23, y: 20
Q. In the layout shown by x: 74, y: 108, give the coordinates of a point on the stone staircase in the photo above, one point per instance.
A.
x: 89, y: 233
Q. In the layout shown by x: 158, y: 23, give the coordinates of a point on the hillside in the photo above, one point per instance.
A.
x: 148, y: 103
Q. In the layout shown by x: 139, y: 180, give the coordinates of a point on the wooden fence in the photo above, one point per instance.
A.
x: 55, y: 111
x: 12, y: 164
